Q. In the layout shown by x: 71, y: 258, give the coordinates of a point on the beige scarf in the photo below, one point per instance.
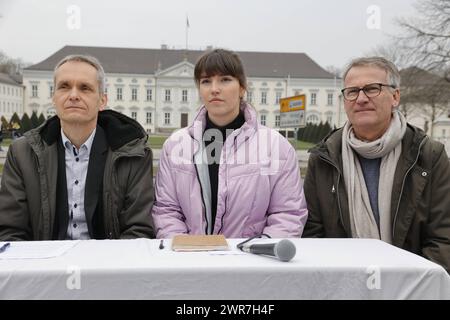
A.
x: 388, y: 148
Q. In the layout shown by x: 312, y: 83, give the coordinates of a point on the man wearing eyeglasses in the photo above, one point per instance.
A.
x: 378, y: 176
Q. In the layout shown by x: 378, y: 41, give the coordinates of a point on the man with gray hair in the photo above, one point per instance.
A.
x: 85, y: 173
x: 378, y: 176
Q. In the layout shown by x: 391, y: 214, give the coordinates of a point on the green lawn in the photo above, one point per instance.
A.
x: 301, y: 145
x: 6, y: 142
x: 1, y: 169
x: 156, y: 142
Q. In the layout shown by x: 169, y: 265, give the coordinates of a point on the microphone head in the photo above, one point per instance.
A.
x: 285, y: 250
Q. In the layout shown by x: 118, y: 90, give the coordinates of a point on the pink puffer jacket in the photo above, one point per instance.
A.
x: 259, y: 191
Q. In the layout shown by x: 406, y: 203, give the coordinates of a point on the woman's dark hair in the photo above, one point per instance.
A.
x: 220, y: 62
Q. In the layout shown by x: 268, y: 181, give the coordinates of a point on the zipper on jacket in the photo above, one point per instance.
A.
x: 109, y: 223
x: 226, y: 198
x: 226, y: 181
x: 201, y: 193
x: 403, y: 185
x: 221, y: 220
x: 333, y: 190
x: 226, y: 178
x: 338, y: 200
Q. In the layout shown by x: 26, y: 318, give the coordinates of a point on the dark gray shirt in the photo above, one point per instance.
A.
x: 371, y: 172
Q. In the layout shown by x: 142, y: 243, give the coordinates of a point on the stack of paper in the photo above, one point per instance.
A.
x: 199, y: 243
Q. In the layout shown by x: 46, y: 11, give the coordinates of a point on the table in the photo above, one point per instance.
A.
x: 137, y: 269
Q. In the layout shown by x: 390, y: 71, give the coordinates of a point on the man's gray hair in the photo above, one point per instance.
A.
x: 393, y: 76
x: 89, y: 60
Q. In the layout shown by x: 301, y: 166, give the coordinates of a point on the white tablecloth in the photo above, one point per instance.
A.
x: 137, y: 269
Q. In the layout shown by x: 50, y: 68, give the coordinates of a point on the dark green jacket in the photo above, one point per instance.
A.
x: 420, y: 205
x: 28, y: 186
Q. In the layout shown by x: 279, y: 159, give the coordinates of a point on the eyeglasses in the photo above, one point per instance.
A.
x: 370, y: 90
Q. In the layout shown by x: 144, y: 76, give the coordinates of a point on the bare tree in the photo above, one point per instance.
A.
x: 11, y: 66
x: 427, y: 37
x: 337, y: 72
x: 424, y: 93
x: 393, y: 52
x: 402, y: 59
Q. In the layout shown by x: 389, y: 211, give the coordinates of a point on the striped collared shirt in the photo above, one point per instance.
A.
x: 77, y: 161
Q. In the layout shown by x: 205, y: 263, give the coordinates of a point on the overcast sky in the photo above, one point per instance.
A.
x: 331, y: 32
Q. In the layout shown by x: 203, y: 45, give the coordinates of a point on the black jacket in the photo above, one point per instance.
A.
x: 28, y: 187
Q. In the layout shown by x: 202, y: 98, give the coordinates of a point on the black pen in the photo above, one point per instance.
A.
x: 161, y: 244
x: 4, y: 247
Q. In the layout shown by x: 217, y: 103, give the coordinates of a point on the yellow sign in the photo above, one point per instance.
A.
x: 294, y: 103
x: 15, y: 125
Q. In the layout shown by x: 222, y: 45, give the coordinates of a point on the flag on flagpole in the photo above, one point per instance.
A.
x: 187, y: 21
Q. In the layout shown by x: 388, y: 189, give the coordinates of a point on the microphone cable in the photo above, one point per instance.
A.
x: 240, y: 246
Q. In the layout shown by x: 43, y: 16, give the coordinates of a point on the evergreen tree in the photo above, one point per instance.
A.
x: 4, y: 127
x: 304, y: 133
x: 300, y: 133
x: 315, y: 133
x: 26, y: 123
x: 5, y: 124
x: 15, y: 123
x: 41, y: 119
x: 34, y: 120
x: 326, y: 130
x: 308, y: 131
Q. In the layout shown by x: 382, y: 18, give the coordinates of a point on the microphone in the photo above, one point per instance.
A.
x: 283, y: 250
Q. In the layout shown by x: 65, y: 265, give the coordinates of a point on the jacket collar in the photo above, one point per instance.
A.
x: 119, y: 130
x: 411, y: 143
x: 199, y: 123
x: 330, y: 147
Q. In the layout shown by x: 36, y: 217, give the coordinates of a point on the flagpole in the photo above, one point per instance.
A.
x: 187, y: 27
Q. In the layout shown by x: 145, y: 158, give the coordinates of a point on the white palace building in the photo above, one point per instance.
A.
x: 11, y: 95
x: 156, y: 86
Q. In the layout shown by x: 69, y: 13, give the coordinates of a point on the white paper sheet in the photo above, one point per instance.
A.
x: 36, y: 249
